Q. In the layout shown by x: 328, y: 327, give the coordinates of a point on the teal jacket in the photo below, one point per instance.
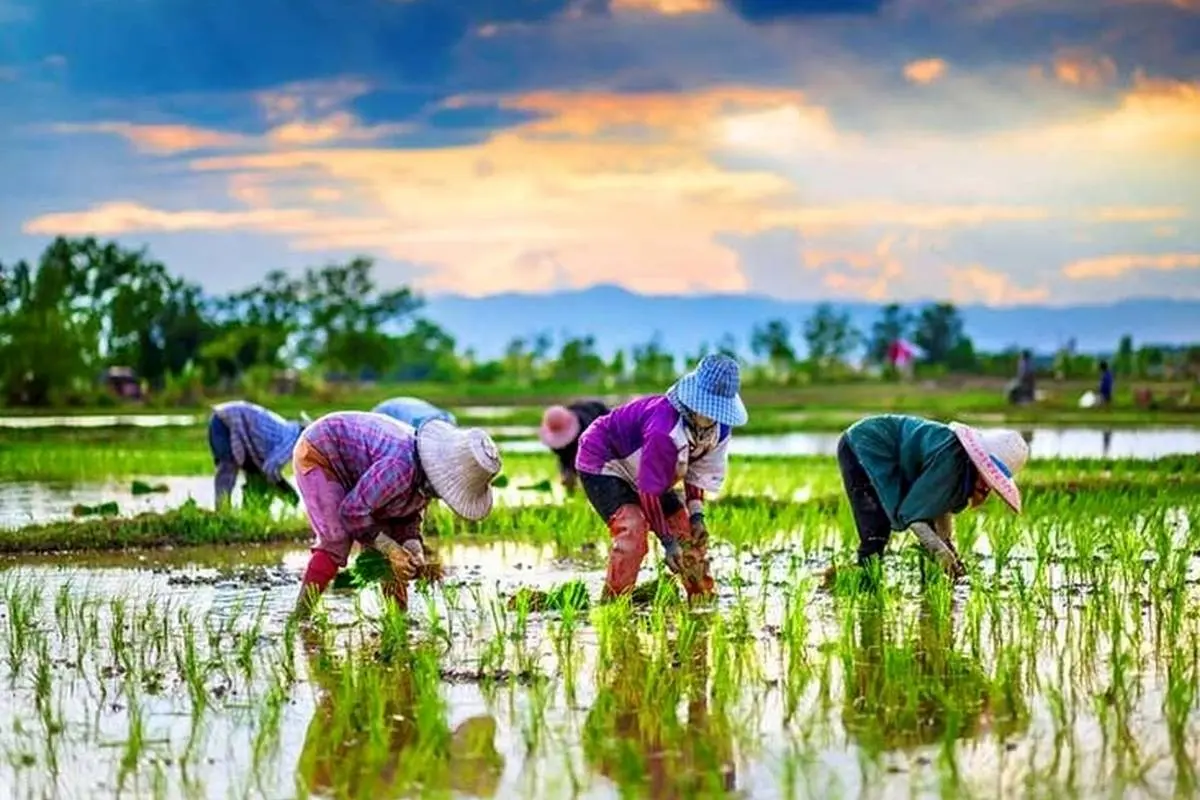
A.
x: 917, y: 466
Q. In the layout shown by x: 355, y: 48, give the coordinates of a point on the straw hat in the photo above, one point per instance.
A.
x: 998, y: 455
x: 460, y: 464
x: 559, y: 428
x: 711, y: 389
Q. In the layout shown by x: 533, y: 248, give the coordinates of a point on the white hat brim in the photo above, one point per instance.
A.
x: 1000, y: 483
x: 456, y: 476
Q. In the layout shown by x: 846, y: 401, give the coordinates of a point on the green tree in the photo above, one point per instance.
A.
x: 578, y: 362
x: 772, y: 343
x: 831, y: 338
x: 894, y: 322
x: 1125, y: 364
x: 652, y: 364
x: 939, y: 332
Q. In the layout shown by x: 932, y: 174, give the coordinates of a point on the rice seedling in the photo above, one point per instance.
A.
x: 1066, y: 663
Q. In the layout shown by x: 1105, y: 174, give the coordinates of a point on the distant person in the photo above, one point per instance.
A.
x: 560, y: 431
x: 903, y: 472
x: 631, y: 459
x: 412, y: 410
x: 1106, y: 384
x: 1024, y: 388
x: 247, y: 437
x: 366, y: 478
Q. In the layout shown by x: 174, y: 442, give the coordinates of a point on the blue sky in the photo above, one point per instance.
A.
x: 994, y: 151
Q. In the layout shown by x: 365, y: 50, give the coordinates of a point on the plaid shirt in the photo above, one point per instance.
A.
x: 259, y: 436
x: 374, y: 458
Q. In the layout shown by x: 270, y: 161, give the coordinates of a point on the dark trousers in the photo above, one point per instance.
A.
x: 874, y: 527
x: 607, y: 493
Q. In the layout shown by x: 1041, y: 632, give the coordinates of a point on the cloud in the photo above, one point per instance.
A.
x: 118, y: 217
x: 1080, y: 68
x: 977, y: 284
x: 1114, y: 266
x: 760, y: 11
x: 668, y: 8
x: 925, y: 71
x: 160, y: 139
x: 1134, y: 214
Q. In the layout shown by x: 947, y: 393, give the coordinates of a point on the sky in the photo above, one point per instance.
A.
x: 1002, y: 152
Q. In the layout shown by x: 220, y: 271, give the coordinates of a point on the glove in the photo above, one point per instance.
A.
x: 939, y: 549
x: 699, y: 530
x: 404, y: 559
x: 673, y: 555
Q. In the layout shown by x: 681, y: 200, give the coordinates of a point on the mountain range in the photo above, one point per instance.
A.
x: 621, y: 319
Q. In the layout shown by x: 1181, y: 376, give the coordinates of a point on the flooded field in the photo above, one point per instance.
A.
x: 1066, y: 665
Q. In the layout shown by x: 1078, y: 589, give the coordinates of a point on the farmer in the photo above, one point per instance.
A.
x: 245, y: 436
x: 1106, y: 384
x: 367, y: 478
x: 905, y: 472
x: 412, y: 410
x: 631, y: 459
x: 561, y: 429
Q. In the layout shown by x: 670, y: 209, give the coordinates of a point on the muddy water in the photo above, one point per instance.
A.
x: 1140, y: 443
x: 35, y: 502
x: 820, y: 748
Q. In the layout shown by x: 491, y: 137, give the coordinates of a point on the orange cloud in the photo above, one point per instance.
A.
x: 110, y: 219
x: 668, y: 8
x: 1134, y: 214
x: 159, y: 139
x: 975, y: 283
x: 1160, y: 116
x: 1081, y: 68
x: 1114, y: 266
x: 926, y: 70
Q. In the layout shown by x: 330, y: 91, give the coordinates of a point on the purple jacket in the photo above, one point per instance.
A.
x: 644, y: 442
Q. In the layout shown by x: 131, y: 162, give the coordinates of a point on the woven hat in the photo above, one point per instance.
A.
x: 711, y: 389
x: 559, y: 428
x: 460, y: 464
x: 998, y: 455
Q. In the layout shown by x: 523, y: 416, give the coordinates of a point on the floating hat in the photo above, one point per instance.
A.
x: 559, y: 428
x: 711, y: 389
x: 460, y: 464
x: 998, y: 455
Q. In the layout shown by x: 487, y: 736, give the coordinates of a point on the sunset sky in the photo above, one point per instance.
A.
x: 993, y: 151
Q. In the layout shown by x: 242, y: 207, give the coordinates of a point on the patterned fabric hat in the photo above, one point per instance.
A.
x: 460, y: 464
x: 559, y: 428
x: 711, y: 390
x: 998, y: 455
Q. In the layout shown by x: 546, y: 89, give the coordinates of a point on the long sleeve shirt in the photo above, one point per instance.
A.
x: 259, y: 436
x: 374, y: 458
x: 644, y: 442
x: 918, y: 468
x: 412, y: 410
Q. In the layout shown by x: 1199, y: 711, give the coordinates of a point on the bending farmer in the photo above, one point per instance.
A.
x: 245, y: 436
x: 561, y: 428
x: 905, y: 472
x: 631, y: 459
x: 368, y: 479
x: 412, y: 410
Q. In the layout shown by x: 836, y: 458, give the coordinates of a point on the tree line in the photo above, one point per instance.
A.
x: 86, y: 305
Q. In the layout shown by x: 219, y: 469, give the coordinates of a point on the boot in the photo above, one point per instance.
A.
x: 629, y: 529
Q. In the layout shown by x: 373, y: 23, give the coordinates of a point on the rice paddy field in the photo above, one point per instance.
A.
x: 146, y: 651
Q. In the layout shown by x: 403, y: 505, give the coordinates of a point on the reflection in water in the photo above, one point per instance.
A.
x: 633, y: 735
x: 1142, y: 443
x: 381, y: 730
x: 906, y: 691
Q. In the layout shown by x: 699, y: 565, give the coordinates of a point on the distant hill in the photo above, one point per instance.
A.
x: 620, y: 319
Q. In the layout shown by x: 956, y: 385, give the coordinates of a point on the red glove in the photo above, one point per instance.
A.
x: 321, y: 570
